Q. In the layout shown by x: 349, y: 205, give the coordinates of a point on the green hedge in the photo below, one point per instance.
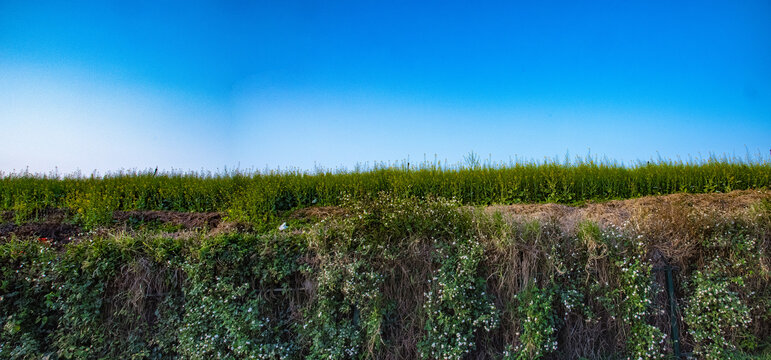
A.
x: 401, y: 277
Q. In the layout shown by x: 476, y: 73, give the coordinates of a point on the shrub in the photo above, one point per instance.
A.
x: 26, y: 282
x: 535, y: 307
x: 457, y: 307
x: 230, y: 310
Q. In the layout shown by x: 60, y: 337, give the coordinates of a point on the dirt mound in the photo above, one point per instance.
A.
x: 618, y: 211
x: 56, y: 227
x: 60, y: 233
x: 183, y: 219
x: 227, y: 227
x: 318, y: 212
x: 54, y: 233
x: 189, y: 223
x: 52, y: 226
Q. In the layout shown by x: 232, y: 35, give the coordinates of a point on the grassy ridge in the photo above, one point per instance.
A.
x: 257, y: 197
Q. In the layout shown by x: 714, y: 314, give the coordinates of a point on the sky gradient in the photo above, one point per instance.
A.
x: 190, y: 85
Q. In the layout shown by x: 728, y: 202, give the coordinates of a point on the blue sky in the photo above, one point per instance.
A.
x: 193, y: 85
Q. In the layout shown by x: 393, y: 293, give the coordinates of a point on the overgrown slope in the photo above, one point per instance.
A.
x: 402, y: 277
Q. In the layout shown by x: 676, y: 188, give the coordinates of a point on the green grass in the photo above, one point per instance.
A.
x: 257, y: 197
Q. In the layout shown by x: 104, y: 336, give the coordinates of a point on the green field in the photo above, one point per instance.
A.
x: 258, y: 197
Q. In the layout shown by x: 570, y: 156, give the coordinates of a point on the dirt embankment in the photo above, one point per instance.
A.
x: 663, y: 213
x: 184, y: 220
x: 618, y: 212
x: 53, y: 227
x: 671, y: 224
x: 56, y: 227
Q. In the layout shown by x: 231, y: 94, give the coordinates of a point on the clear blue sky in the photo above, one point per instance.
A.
x: 187, y: 85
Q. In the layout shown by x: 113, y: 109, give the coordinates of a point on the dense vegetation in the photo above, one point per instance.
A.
x: 398, y: 266
x: 399, y: 277
x: 258, y: 197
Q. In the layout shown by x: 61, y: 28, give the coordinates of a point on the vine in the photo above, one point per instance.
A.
x: 457, y: 306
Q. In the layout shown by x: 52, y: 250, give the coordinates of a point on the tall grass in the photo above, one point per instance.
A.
x: 258, y: 196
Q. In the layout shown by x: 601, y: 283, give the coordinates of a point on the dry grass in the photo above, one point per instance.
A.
x: 406, y: 281
x: 672, y: 226
x: 671, y: 223
x: 134, y: 295
x: 619, y: 211
x: 318, y: 213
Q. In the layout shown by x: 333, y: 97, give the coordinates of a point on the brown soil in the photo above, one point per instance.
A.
x: 57, y: 233
x: 183, y: 219
x: 54, y: 227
